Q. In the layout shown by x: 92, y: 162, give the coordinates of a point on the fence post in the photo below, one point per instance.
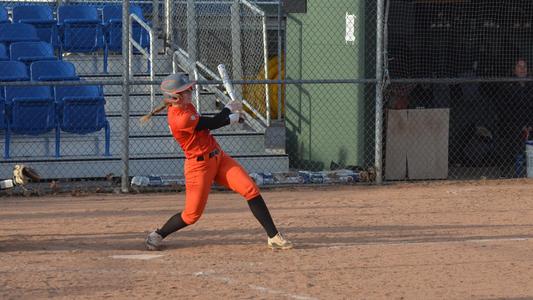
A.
x: 191, y: 30
x: 378, y: 159
x: 280, y: 61
x: 235, y: 27
x: 125, y: 95
x: 155, y: 22
x: 192, y: 43
x: 168, y: 26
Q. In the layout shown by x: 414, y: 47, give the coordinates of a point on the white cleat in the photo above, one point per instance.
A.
x: 153, y: 241
x: 279, y: 242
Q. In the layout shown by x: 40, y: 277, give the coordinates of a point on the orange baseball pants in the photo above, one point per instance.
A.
x: 200, y: 175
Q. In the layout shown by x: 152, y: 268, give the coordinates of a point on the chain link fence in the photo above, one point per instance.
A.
x: 330, y: 123
x: 455, y: 89
x: 62, y: 65
x: 463, y: 65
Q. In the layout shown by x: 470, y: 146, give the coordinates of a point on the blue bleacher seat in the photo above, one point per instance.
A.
x: 53, y: 70
x: 28, y: 52
x: 112, y: 20
x: 42, y: 18
x: 32, y: 112
x: 80, y: 28
x: 3, y: 125
x: 3, y: 52
x: 3, y: 114
x: 81, y: 110
x: 9, y: 71
x: 13, y: 71
x: 35, y: 124
x: 4, y: 18
x: 17, y: 32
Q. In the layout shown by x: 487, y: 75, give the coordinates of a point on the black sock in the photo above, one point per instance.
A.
x: 261, y: 213
x: 173, y: 224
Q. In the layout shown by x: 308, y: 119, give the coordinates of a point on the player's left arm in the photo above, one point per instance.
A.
x: 223, y: 118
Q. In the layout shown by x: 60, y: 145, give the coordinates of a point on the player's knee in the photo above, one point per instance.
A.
x: 190, y: 218
x: 251, y: 191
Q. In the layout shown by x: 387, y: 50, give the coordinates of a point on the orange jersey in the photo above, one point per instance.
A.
x: 182, y: 122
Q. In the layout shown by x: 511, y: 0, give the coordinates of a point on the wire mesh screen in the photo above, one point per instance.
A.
x: 457, y: 91
x: 232, y: 33
x: 213, y: 35
x: 61, y: 110
x: 486, y: 112
x: 450, y: 39
x: 315, y: 142
x: 331, y: 126
x: 290, y: 134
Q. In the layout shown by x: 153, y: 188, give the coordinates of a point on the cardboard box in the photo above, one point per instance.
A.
x: 417, y: 144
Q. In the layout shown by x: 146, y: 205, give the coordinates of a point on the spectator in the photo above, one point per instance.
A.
x: 410, y: 96
x: 399, y: 95
x: 514, y: 108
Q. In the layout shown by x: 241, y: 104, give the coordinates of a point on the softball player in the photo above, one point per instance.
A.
x: 206, y: 162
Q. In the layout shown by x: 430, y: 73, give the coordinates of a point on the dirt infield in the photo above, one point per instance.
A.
x: 439, y: 240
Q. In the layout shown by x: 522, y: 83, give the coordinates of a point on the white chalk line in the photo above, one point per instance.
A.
x: 499, y: 240
x: 211, y: 275
x: 137, y: 256
x: 485, y: 240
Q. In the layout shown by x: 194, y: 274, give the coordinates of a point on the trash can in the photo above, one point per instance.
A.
x: 529, y: 158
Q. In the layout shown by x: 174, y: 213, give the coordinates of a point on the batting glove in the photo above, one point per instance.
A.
x: 234, y: 106
x: 234, y: 118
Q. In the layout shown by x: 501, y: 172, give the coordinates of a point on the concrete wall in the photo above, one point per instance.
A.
x: 325, y: 122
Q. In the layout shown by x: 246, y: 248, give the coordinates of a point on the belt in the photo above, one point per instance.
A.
x: 211, y: 154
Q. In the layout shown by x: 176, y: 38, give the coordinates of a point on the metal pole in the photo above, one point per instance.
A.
x: 279, y: 60
x: 153, y: 52
x: 236, y: 43
x: 155, y: 21
x: 191, y: 30
x: 192, y: 47
x: 168, y: 25
x: 379, y: 91
x: 125, y: 96
x: 265, y: 63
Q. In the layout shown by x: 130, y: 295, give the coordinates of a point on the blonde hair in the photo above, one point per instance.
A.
x: 155, y: 111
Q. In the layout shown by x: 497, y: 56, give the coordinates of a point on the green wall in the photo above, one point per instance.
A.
x: 325, y: 122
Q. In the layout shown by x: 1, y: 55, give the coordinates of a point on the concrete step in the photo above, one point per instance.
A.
x: 158, y: 125
x: 140, y: 103
x: 134, y: 89
x: 118, y: 77
x: 117, y: 89
x: 92, y: 144
x: 94, y: 63
x: 100, y: 167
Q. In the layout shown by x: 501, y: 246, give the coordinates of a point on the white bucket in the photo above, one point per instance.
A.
x: 529, y: 158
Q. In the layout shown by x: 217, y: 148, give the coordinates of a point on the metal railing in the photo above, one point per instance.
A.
x: 233, y: 25
x: 150, y: 56
x: 181, y: 59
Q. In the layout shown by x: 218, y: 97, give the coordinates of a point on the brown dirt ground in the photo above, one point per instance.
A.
x: 428, y: 240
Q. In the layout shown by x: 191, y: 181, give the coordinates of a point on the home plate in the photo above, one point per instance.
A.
x: 137, y: 256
